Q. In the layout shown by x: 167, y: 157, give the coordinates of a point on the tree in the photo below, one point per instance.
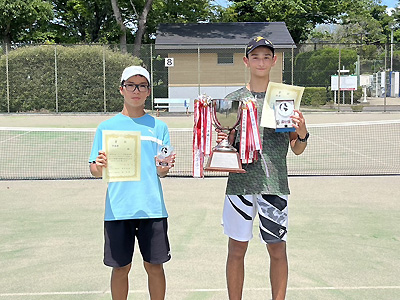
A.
x: 120, y: 22
x: 83, y: 21
x: 19, y: 18
x: 316, y: 67
x: 139, y: 21
x: 141, y: 27
x: 141, y: 18
x: 301, y: 17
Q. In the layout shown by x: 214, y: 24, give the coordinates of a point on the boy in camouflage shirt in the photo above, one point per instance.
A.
x: 264, y: 187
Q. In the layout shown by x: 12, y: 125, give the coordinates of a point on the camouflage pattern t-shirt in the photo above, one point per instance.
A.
x: 274, y: 150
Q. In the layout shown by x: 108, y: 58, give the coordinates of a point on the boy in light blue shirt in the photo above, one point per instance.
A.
x: 135, y: 208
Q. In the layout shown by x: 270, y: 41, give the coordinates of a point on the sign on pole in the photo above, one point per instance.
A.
x: 365, y: 80
x: 347, y: 82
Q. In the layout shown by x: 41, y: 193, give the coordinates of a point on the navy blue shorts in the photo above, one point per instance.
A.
x: 119, y: 241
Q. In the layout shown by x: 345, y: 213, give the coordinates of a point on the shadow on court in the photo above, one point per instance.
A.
x: 343, y: 241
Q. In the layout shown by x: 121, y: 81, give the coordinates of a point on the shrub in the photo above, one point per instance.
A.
x: 317, y: 96
x: 38, y: 75
x: 314, y: 96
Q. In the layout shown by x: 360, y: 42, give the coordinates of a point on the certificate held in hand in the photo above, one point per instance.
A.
x: 122, y: 149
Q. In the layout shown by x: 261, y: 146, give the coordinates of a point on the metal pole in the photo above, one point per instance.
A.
x: 384, y: 99
x: 391, y: 49
x: 358, y: 70
x: 8, y: 81
x: 55, y: 76
x: 104, y: 80
x: 151, y: 77
x: 292, y: 64
x: 198, y: 68
x: 339, y: 79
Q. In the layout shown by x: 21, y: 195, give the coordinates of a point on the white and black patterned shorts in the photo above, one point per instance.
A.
x: 240, y: 211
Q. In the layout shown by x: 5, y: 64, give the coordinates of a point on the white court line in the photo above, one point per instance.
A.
x: 14, y: 137
x: 321, y: 288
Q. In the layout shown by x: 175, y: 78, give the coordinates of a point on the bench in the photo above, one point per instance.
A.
x: 172, y: 104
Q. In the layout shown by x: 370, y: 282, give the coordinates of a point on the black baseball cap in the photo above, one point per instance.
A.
x: 257, y: 42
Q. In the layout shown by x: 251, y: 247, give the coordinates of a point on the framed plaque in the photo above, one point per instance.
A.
x: 122, y: 149
x: 279, y: 91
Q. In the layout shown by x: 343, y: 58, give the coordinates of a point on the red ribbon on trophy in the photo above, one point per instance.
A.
x: 250, y: 142
x: 202, y: 133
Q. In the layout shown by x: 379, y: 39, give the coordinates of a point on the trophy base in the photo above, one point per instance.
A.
x: 224, y: 161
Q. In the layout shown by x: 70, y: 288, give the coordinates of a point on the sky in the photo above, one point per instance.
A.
x: 388, y: 3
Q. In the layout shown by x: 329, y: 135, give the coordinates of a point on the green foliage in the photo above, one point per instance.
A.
x: 21, y: 20
x: 315, y: 68
x: 176, y: 11
x: 357, y: 108
x: 78, y: 84
x: 84, y: 21
x: 93, y: 21
x: 319, y: 96
x: 357, y: 95
x: 301, y: 17
x: 315, y: 96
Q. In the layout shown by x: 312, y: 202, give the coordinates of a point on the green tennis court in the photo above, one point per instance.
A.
x: 343, y: 238
x: 343, y: 241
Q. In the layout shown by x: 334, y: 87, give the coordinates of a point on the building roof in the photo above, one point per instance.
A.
x: 221, y: 35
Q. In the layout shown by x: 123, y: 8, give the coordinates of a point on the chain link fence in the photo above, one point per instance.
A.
x: 85, y: 78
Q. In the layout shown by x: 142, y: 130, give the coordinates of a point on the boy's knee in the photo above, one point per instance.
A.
x: 277, y: 251
x: 121, y: 271
x: 237, y: 249
x: 153, y: 269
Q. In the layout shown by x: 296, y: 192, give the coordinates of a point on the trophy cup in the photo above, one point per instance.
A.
x: 226, y: 115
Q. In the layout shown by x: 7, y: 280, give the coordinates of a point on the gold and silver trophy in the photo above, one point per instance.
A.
x: 226, y: 116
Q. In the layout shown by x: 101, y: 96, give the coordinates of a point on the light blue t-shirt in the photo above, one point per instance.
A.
x: 136, y: 199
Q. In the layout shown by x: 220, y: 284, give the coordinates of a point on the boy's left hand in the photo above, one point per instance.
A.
x: 163, y: 165
x: 299, y: 123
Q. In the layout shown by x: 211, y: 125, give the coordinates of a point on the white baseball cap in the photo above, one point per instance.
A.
x: 135, y: 70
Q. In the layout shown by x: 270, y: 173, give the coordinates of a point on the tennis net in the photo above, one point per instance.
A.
x: 342, y: 149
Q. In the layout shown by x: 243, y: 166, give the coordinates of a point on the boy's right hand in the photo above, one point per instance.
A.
x: 101, y: 161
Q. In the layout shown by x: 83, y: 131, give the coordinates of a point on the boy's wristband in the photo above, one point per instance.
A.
x: 305, y: 138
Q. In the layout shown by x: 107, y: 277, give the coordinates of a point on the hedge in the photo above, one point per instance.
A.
x: 78, y: 70
x: 319, y: 96
x: 314, y: 96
